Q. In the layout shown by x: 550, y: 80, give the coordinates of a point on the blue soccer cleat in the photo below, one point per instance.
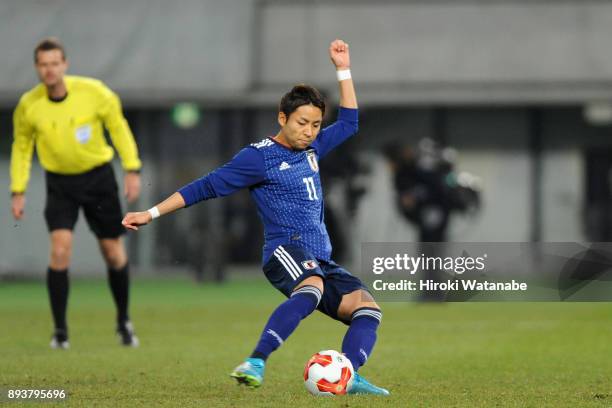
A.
x: 362, y: 386
x: 250, y: 373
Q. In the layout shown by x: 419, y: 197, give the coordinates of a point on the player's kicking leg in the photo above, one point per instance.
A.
x: 284, y: 320
x: 364, y: 315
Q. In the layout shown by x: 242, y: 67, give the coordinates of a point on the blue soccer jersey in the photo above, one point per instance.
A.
x: 285, y: 185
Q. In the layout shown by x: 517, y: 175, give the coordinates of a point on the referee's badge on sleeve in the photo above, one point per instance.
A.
x: 312, y: 160
x: 83, y: 134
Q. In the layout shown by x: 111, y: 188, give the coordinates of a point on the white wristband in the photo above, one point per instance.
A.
x: 343, y: 74
x: 154, y: 212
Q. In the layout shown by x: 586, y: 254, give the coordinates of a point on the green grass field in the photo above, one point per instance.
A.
x: 450, y: 355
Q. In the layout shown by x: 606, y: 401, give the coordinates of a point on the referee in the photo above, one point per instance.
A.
x: 63, y: 116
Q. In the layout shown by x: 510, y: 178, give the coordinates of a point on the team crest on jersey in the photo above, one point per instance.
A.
x: 310, y: 264
x: 312, y: 160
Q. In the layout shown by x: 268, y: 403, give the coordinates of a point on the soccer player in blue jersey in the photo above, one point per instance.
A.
x: 282, y: 174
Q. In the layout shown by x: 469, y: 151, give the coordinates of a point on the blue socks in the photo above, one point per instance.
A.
x: 358, y: 341
x: 285, y: 319
x: 361, y: 335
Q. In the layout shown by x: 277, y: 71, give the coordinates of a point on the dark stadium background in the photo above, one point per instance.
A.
x: 509, y: 84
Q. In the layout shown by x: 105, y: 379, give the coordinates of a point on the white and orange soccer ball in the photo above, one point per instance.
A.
x: 328, y: 373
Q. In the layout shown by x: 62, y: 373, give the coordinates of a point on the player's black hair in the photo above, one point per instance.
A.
x: 48, y: 44
x: 301, y: 94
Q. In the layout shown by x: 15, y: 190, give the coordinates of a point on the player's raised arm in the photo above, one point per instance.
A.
x: 339, y: 54
x: 347, y: 123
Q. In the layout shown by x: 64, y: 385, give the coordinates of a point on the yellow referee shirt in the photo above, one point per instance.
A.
x: 68, y: 135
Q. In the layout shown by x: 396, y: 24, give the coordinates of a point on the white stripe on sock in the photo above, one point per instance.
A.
x: 316, y: 292
x: 276, y: 336
x: 371, y: 313
x: 368, y: 313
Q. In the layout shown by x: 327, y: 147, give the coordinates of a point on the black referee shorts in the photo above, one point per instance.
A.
x: 95, y: 191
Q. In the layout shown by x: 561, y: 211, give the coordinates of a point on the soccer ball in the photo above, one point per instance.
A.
x: 328, y: 373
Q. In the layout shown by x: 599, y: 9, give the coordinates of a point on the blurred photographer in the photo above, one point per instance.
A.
x: 429, y: 189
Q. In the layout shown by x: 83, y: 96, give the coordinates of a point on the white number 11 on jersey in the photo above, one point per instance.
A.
x: 310, y: 186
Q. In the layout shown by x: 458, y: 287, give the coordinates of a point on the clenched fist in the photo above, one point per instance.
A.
x: 339, y: 54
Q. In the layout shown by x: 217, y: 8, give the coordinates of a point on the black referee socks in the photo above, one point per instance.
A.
x: 57, y: 286
x: 119, y: 282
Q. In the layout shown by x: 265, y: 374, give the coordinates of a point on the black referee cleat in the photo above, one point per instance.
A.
x: 59, y: 340
x: 126, y: 334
